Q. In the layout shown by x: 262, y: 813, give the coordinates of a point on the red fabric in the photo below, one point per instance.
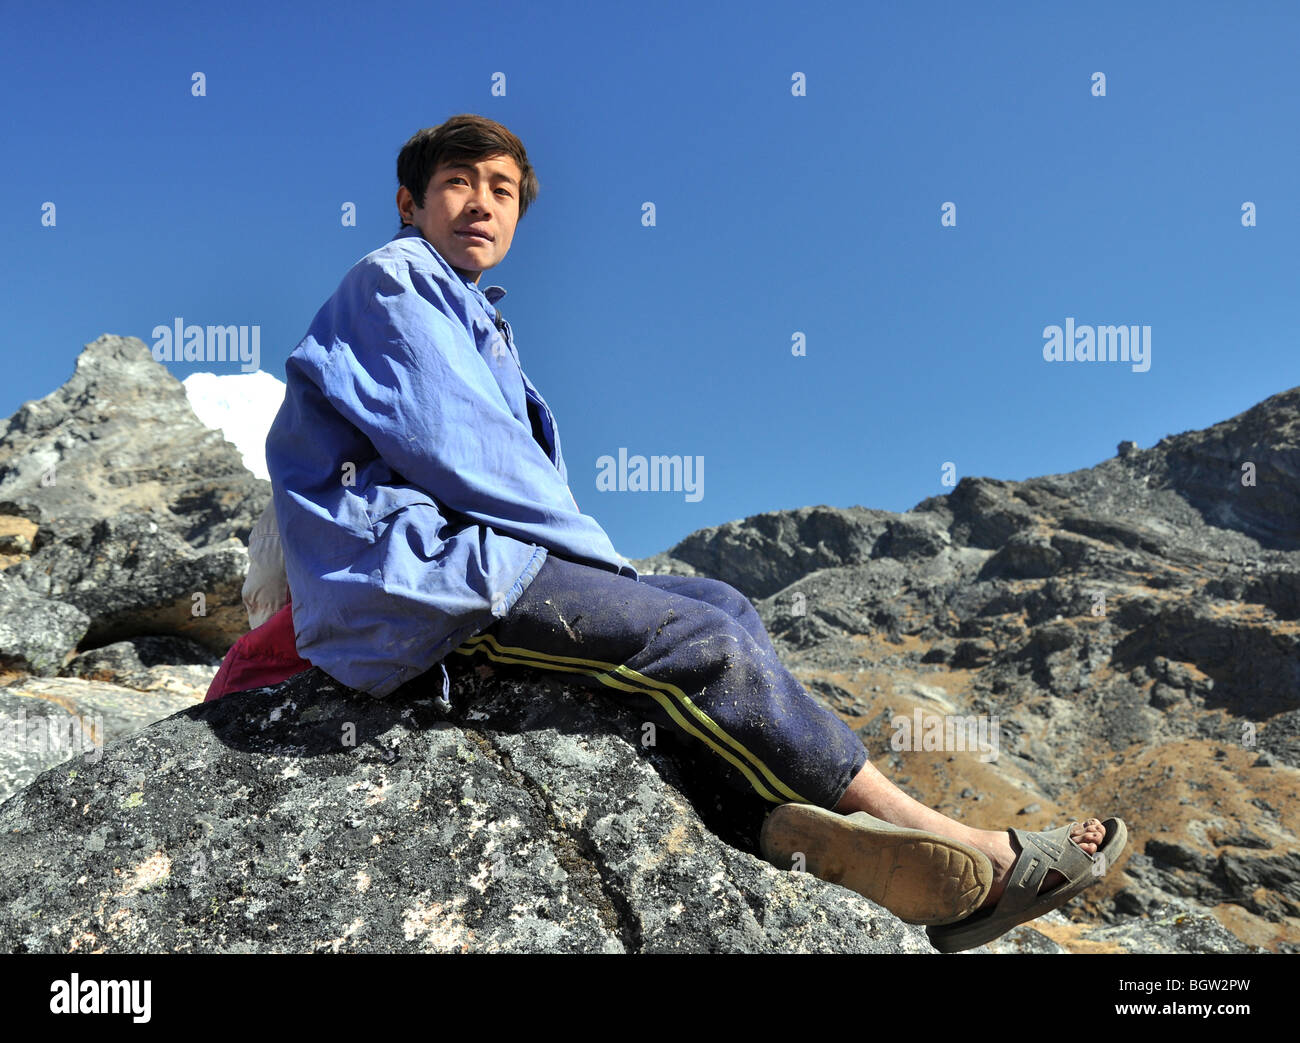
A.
x: 265, y: 656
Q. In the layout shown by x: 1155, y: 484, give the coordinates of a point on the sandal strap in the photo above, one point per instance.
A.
x: 1040, y: 853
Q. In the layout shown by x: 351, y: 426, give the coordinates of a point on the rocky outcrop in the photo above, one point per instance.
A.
x: 103, y: 694
x: 129, y: 576
x: 768, y: 552
x: 37, y: 634
x: 120, y: 515
x: 311, y: 818
x: 1129, y: 630
x: 1132, y: 628
x: 49, y: 720
x: 120, y: 437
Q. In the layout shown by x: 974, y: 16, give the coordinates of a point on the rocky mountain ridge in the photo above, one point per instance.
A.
x: 1132, y: 627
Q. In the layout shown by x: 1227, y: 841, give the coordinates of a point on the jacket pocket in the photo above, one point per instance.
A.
x: 407, y: 532
x: 383, y: 501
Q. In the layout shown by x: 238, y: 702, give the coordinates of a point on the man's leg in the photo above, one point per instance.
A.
x: 699, y: 663
x: 721, y: 595
x: 873, y: 793
x: 699, y: 649
x: 870, y: 791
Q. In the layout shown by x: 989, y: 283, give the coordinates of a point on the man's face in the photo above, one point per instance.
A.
x: 483, y: 196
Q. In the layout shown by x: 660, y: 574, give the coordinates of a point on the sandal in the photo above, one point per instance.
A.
x: 920, y: 877
x: 1021, y: 902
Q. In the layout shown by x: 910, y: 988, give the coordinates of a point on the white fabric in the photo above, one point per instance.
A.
x: 266, y: 588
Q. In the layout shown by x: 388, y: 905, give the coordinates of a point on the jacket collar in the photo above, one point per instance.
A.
x: 491, y: 293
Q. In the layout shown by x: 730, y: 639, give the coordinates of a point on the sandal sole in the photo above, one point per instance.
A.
x: 920, y: 877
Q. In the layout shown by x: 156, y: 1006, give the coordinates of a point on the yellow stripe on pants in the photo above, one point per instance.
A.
x: 661, y: 692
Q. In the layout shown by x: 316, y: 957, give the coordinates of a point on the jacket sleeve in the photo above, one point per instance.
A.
x: 409, y: 377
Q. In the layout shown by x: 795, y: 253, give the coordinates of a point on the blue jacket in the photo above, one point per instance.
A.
x: 414, y: 502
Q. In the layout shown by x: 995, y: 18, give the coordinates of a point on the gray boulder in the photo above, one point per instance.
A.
x: 37, y: 634
x: 307, y: 818
x: 130, y: 576
x: 120, y: 436
x: 48, y: 720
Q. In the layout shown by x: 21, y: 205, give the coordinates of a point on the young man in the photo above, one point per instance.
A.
x: 424, y: 509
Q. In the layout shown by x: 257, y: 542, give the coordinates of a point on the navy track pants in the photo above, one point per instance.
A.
x: 698, y: 651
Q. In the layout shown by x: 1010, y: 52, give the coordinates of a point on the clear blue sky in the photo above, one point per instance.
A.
x: 775, y: 214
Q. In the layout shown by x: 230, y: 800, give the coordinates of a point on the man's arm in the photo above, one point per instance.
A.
x: 410, y: 378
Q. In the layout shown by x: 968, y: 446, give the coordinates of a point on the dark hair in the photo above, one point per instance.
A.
x: 462, y: 139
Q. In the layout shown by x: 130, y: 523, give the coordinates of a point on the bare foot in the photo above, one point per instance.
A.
x: 1003, y: 852
x: 871, y: 792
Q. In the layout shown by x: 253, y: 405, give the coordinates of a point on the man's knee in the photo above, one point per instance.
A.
x: 729, y: 599
x: 714, y: 634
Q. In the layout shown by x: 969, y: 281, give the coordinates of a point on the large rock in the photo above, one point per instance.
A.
x: 130, y: 577
x: 37, y: 634
x: 311, y: 818
x: 117, y: 508
x: 48, y: 720
x: 120, y: 436
x: 154, y: 663
x: 1132, y: 626
x: 308, y: 818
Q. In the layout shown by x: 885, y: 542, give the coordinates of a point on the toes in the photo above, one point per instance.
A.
x: 1089, y: 835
